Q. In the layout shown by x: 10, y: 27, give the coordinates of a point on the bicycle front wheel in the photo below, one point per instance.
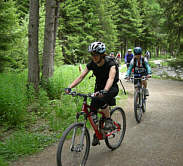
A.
x: 144, y: 101
x: 137, y: 107
x: 119, y: 120
x: 74, y: 146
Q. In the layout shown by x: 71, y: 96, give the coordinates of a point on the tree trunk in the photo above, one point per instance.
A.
x: 157, y: 51
x: 56, y: 22
x: 33, y: 56
x: 181, y: 42
x: 49, y: 40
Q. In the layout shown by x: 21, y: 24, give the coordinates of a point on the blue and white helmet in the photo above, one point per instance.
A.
x: 97, y: 47
x: 137, y: 50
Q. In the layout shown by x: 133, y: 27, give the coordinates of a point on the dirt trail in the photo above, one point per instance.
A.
x: 156, y: 141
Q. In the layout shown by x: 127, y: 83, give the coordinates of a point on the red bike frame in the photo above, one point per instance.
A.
x: 99, y: 135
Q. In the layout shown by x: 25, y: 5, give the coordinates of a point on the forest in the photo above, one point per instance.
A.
x: 43, y: 41
x: 152, y: 24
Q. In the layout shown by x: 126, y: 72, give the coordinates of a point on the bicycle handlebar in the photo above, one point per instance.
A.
x: 91, y: 95
x: 141, y: 78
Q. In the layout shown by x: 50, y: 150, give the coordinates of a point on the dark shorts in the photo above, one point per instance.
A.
x: 108, y: 99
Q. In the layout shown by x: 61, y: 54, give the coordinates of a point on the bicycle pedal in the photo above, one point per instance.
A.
x: 111, y: 136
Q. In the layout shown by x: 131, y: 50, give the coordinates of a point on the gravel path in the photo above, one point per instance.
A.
x: 156, y: 141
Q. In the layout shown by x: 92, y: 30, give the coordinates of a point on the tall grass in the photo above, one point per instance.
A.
x: 64, y: 107
x: 43, y: 119
x: 46, y: 118
x: 23, y: 143
x: 13, y: 102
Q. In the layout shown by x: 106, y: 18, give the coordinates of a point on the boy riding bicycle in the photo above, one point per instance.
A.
x: 141, y: 68
x: 128, y: 57
x: 106, y: 88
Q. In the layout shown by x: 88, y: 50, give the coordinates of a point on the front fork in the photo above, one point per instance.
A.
x: 78, y: 147
x: 140, y: 95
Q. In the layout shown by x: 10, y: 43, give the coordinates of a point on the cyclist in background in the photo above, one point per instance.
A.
x: 141, y: 68
x: 112, y: 54
x: 128, y: 57
x: 118, y: 58
x: 147, y: 55
x: 106, y: 88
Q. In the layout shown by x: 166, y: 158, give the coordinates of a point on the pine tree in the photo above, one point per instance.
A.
x: 79, y: 26
x: 8, y: 31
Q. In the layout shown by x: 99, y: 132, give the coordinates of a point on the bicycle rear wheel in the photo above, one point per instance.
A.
x: 119, y: 118
x: 72, y: 151
x: 137, y: 107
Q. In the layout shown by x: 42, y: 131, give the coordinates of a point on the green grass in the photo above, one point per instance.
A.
x: 23, y: 143
x: 3, y: 162
x: 177, y: 62
x: 13, y: 102
x: 28, y: 124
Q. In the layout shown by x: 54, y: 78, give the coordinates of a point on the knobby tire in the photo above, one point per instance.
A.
x: 137, y: 107
x: 117, y: 115
x: 143, y: 101
x: 65, y: 155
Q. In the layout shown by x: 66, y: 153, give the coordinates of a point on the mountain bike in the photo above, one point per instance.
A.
x: 74, y: 144
x: 139, y: 99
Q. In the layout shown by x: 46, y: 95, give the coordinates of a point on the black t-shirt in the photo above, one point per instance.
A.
x: 102, y: 73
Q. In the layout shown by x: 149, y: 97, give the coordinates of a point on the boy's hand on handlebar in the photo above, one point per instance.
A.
x: 97, y: 94
x: 100, y: 93
x: 67, y: 90
x: 127, y: 78
x: 148, y: 76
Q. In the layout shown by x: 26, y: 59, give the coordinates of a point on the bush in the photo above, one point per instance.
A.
x: 13, y: 101
x: 3, y: 162
x: 26, y: 143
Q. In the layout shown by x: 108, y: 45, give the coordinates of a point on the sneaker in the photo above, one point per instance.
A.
x: 95, y: 140
x: 147, y: 92
x: 108, y: 124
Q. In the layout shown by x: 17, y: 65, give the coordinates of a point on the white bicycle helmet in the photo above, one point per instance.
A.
x: 129, y: 50
x: 97, y: 47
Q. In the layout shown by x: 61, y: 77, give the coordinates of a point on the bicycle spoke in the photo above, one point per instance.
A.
x: 72, y: 151
x: 144, y: 101
x: 116, y: 136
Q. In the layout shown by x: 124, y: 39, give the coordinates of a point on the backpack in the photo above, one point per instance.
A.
x: 143, y: 63
x: 111, y: 58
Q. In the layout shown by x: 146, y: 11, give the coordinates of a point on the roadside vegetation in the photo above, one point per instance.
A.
x: 37, y: 122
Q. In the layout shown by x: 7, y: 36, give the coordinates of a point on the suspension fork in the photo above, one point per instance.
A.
x: 83, y: 133
x: 82, y: 136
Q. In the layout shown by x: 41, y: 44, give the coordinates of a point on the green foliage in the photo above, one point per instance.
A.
x: 3, y: 162
x: 173, y: 11
x: 13, y: 100
x: 83, y: 23
x: 152, y: 64
x: 128, y: 22
x: 22, y: 8
x: 178, y: 62
x: 17, y: 99
x: 58, y: 112
x: 8, y: 31
x: 26, y: 143
x: 64, y: 106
